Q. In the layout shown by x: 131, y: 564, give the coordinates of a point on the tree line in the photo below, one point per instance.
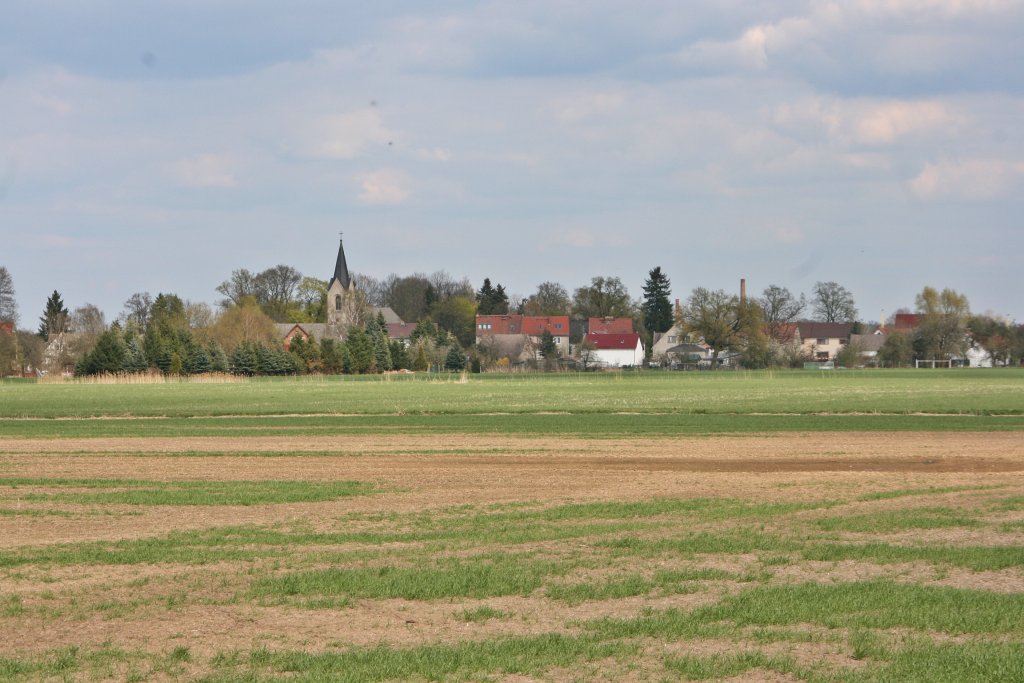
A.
x: 170, y: 335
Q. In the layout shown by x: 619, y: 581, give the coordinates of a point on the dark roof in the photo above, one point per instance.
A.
x: 400, y: 330
x: 813, y: 330
x: 341, y: 269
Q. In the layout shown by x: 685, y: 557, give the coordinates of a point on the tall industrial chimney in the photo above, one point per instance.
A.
x: 743, y: 290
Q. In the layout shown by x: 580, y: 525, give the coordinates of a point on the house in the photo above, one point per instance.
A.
x: 307, y: 331
x: 534, y: 326
x: 869, y: 345
x: 666, y: 341
x: 515, y: 335
x: 823, y: 340
x: 615, y: 350
x: 609, y: 325
x: 687, y: 354
x: 494, y: 325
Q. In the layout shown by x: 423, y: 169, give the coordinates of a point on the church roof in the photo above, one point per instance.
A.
x: 341, y: 269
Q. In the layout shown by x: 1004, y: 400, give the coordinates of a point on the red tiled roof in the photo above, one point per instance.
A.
x: 557, y: 325
x: 606, y: 342
x: 906, y: 321
x: 499, y: 324
x: 610, y: 325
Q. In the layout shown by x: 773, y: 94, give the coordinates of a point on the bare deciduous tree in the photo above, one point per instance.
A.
x: 781, y: 309
x: 833, y: 303
x: 136, y: 310
x: 8, y: 304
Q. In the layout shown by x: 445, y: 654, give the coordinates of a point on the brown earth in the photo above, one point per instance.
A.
x: 428, y: 471
x: 425, y: 472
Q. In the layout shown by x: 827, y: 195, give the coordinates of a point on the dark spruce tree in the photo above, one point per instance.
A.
x: 548, y: 347
x: 55, y: 317
x: 656, y: 308
x: 491, y: 300
x: 455, y: 360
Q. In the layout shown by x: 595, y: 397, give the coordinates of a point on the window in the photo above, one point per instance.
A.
x: 558, y: 340
x: 484, y: 326
x: 843, y: 341
x: 821, y: 355
x: 671, y: 339
x: 337, y: 302
x: 822, y: 341
x: 558, y: 326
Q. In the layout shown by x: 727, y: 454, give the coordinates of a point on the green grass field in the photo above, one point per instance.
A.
x: 944, y: 392
x: 237, y: 558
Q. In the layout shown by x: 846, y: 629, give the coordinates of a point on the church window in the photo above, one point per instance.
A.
x: 337, y: 302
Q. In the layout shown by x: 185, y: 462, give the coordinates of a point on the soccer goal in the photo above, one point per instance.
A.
x: 933, y: 363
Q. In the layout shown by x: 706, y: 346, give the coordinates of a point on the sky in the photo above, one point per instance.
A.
x: 157, y: 146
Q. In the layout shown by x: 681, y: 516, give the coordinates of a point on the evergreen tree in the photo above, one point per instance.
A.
x: 176, y: 365
x: 421, y: 364
x: 330, y: 355
x: 55, y: 317
x: 491, y: 300
x: 199, y: 362
x: 548, y: 347
x: 134, y: 359
x: 399, y: 355
x: 656, y: 307
x: 244, y: 360
x: 360, y: 348
x: 425, y: 329
x: 382, y: 353
x: 218, y: 359
x: 455, y: 360
x: 107, y: 356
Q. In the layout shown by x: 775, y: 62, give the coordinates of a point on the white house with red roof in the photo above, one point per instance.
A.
x: 615, y: 350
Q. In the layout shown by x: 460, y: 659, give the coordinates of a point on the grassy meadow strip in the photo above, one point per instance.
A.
x: 142, y: 492
x: 952, y: 392
x: 589, y: 424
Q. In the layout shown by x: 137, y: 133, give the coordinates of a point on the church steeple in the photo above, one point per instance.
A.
x: 341, y: 268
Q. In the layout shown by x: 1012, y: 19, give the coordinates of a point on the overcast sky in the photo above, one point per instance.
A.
x: 157, y: 146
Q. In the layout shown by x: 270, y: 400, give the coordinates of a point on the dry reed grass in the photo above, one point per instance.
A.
x: 147, y: 378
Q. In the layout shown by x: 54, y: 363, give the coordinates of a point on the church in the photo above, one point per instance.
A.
x: 345, y: 308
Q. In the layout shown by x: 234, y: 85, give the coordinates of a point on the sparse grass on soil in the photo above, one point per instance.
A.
x: 661, y: 527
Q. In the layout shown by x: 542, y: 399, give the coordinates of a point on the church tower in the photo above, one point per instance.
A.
x: 341, y: 302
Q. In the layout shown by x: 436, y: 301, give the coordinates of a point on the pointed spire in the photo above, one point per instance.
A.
x: 341, y: 268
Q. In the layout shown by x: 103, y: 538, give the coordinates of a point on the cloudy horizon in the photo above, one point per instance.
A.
x: 157, y: 147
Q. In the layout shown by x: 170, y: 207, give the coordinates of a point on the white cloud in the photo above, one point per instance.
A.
x: 343, y: 136
x: 885, y: 123
x: 942, y: 8
x: 870, y: 122
x: 383, y: 186
x: 206, y: 170
x: 973, y: 179
x: 434, y: 153
x: 575, y: 108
